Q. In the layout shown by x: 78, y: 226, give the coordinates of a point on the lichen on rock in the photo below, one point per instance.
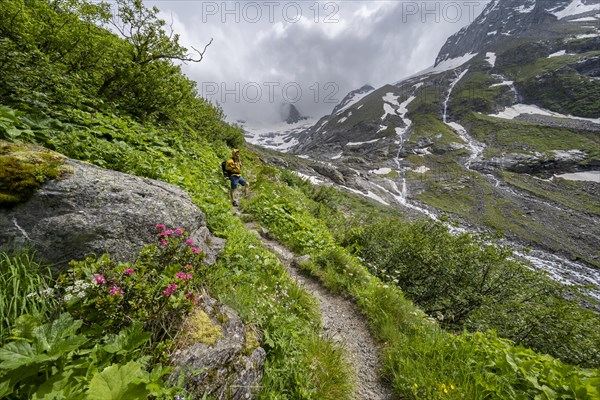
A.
x: 23, y: 170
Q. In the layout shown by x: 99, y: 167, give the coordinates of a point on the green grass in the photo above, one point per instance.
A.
x: 570, y: 194
x: 545, y: 65
x: 522, y: 136
x: 25, y: 290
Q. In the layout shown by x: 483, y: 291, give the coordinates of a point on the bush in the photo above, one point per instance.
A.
x: 158, y: 289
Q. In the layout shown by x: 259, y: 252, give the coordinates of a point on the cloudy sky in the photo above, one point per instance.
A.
x: 308, y: 53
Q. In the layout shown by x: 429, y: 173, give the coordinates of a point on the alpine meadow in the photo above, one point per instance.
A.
x: 423, y: 240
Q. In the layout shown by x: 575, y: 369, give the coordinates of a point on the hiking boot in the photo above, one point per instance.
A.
x: 235, y: 203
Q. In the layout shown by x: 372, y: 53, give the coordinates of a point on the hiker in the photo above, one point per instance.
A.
x: 233, y: 166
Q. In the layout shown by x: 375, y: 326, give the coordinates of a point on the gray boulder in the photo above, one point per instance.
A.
x: 227, y: 365
x: 94, y: 210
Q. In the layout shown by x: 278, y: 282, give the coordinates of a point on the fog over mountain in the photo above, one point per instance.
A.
x: 310, y: 54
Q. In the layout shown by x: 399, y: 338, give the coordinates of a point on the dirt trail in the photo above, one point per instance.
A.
x: 343, y: 322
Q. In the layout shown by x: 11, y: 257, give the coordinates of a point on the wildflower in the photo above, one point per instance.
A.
x: 179, y: 231
x: 195, y: 250
x: 129, y: 271
x: 115, y: 290
x: 183, y: 276
x: 162, y: 227
x: 188, y: 266
x: 169, y: 290
x: 99, y: 279
x: 189, y: 242
x: 452, y: 387
x: 163, y: 243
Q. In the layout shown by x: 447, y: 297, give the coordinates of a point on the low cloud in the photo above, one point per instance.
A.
x: 308, y: 53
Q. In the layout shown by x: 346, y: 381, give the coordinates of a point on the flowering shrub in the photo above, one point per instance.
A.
x: 158, y: 289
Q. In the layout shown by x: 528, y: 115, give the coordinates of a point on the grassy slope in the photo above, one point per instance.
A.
x: 247, y: 276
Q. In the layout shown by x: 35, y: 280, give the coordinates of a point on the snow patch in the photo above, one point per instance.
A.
x: 421, y: 170
x: 342, y: 120
x: 338, y: 156
x: 361, y: 143
x: 491, y: 58
x: 382, y: 128
x: 525, y: 9
x: 391, y: 98
x: 359, y: 107
x: 387, y: 109
x: 381, y: 171
x: 280, y: 137
x: 492, y: 33
x: 518, y: 109
x: 505, y: 83
x: 587, y: 35
x: 584, y: 19
x: 355, y: 99
x: 446, y: 65
x: 558, y: 54
x: 312, y: 179
x: 575, y: 8
x: 592, y: 176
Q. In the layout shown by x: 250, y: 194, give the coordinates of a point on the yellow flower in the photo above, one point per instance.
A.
x: 443, y: 386
x: 416, y: 386
x: 452, y: 386
x: 445, y: 390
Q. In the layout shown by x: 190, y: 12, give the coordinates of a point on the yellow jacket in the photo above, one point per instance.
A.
x: 233, y: 167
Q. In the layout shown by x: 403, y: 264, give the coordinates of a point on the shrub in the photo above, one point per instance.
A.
x: 158, y: 289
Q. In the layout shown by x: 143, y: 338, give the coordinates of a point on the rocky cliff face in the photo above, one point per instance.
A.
x: 502, y: 19
x: 352, y: 98
x: 93, y: 210
x: 292, y: 115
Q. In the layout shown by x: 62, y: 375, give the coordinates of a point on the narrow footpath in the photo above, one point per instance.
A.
x: 343, y: 322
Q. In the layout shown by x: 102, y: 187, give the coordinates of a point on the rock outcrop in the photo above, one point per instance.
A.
x: 227, y: 365
x: 94, y: 210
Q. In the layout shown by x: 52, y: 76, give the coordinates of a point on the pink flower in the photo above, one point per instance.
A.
x: 162, y: 227
x: 179, y: 231
x: 170, y: 289
x: 115, y: 290
x: 183, y: 276
x: 195, y: 250
x: 163, y: 242
x: 188, y: 266
x: 99, y: 279
x: 167, y: 233
x: 129, y: 271
x: 189, y: 242
x: 192, y: 296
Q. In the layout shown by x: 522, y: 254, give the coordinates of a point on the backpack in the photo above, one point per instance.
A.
x: 224, y: 169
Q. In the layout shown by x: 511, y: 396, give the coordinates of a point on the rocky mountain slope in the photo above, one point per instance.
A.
x: 511, y: 103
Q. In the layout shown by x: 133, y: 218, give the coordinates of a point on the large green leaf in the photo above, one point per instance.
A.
x: 127, y: 340
x: 59, y: 387
x: 118, y: 382
x: 59, y: 337
x: 16, y: 354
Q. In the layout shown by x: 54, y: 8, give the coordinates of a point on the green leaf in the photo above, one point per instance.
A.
x: 118, y: 382
x: 5, y: 388
x: 54, y: 388
x: 59, y: 337
x: 127, y: 340
x: 16, y: 354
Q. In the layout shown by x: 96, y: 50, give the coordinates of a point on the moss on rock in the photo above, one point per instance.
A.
x: 24, y: 168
